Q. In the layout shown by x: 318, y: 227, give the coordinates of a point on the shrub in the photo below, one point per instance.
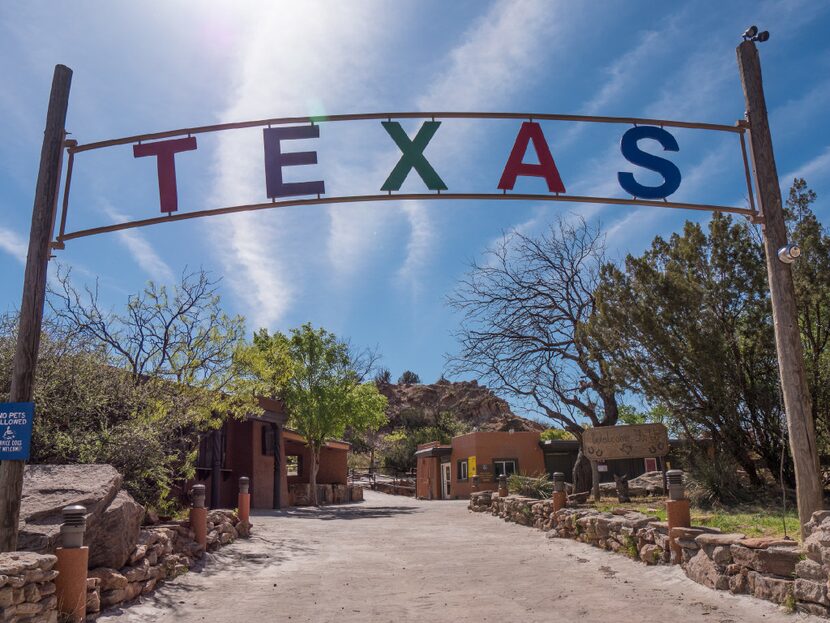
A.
x: 714, y: 480
x: 539, y: 487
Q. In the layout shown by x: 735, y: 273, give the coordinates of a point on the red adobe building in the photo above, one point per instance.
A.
x: 274, y: 457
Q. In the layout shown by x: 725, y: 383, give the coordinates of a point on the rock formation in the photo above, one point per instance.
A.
x: 47, y: 489
x: 471, y: 403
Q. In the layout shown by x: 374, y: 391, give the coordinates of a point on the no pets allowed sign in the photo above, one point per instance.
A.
x: 16, y: 430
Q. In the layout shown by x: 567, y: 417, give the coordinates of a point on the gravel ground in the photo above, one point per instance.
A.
x: 396, y: 559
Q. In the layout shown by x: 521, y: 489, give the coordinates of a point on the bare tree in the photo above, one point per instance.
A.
x: 181, y: 336
x: 524, y: 310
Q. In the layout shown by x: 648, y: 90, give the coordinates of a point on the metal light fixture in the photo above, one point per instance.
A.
x: 74, y: 526
x: 789, y: 253
x: 677, y: 491
x: 752, y: 34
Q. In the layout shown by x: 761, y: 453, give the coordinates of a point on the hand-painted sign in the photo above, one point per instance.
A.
x: 531, y: 157
x: 636, y: 441
x: 471, y: 467
x: 16, y: 430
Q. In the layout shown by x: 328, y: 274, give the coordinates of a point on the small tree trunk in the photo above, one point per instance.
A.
x: 312, y: 479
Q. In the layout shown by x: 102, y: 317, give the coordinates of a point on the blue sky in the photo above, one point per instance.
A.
x: 380, y: 273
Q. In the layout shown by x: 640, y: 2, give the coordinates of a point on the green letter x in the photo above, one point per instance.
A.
x: 412, y: 156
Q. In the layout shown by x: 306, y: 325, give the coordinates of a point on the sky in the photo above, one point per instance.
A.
x: 380, y: 273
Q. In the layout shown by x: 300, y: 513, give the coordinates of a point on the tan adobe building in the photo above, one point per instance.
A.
x: 446, y: 471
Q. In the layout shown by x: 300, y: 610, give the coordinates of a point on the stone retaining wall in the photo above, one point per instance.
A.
x: 27, y: 588
x: 162, y: 552
x: 777, y: 570
x: 394, y: 489
x: 300, y: 493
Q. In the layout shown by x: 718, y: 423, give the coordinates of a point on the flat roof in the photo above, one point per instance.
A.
x: 434, y: 451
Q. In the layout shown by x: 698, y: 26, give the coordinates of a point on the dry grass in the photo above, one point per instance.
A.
x: 753, y: 521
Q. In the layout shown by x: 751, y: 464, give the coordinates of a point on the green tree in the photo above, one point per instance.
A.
x: 321, y: 383
x: 383, y: 377
x: 556, y: 434
x: 401, y: 444
x: 688, y: 325
x: 134, y: 388
x: 409, y: 378
x: 811, y: 274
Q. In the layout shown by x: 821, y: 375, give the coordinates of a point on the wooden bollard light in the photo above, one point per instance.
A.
x: 198, y: 515
x: 677, y: 509
x: 73, y: 559
x: 560, y: 498
x: 244, y: 499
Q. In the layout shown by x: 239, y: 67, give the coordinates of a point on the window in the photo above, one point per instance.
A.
x: 212, y: 445
x: 462, y: 469
x: 504, y: 466
x: 294, y: 464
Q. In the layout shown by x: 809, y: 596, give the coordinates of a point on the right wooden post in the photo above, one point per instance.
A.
x: 797, y: 401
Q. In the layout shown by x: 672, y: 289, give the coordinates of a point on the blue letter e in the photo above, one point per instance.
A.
x: 632, y: 152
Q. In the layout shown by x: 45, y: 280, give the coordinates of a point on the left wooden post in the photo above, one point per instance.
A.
x: 34, y: 291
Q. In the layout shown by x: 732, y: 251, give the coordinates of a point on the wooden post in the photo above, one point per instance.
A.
x: 797, y: 402
x: 216, y: 468
x: 34, y: 291
x: 595, y: 480
x: 278, y: 465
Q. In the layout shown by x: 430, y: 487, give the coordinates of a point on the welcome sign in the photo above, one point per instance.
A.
x: 290, y: 175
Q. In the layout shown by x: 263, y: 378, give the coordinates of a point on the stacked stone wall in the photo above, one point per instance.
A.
x: 27, y: 588
x: 326, y: 494
x: 162, y: 552
x: 395, y: 489
x: 778, y: 570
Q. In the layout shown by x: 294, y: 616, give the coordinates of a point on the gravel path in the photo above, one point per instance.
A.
x: 398, y: 560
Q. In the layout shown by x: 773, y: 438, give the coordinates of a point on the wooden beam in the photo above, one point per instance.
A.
x: 791, y: 368
x: 520, y: 116
x: 270, y: 205
x: 34, y: 291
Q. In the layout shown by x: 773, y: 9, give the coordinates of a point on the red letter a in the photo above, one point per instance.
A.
x: 531, y: 132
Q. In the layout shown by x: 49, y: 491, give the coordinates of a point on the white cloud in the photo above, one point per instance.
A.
x: 619, y: 76
x: 497, y: 55
x: 489, y: 66
x: 13, y: 243
x: 419, y: 247
x: 818, y: 167
x: 142, y: 251
x: 146, y: 257
x: 303, y: 58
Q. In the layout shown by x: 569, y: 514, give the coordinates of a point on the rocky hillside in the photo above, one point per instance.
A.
x: 470, y: 403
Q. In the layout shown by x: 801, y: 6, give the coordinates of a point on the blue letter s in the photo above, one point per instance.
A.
x: 632, y: 152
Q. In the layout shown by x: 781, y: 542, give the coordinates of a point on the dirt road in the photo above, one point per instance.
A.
x: 398, y: 560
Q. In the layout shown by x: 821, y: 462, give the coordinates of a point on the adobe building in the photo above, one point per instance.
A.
x: 446, y: 471
x: 278, y: 479
x: 560, y: 456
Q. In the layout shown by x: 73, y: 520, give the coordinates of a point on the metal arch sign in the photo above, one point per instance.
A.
x: 413, y: 162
